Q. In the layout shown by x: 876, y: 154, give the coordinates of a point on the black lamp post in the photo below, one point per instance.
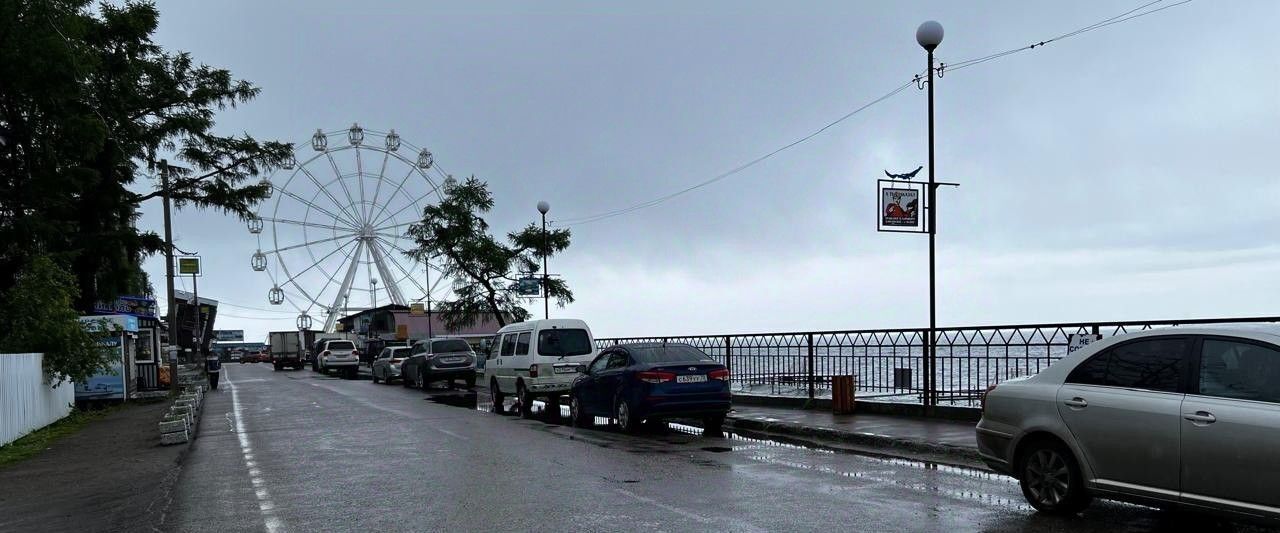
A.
x: 543, y: 207
x: 929, y: 35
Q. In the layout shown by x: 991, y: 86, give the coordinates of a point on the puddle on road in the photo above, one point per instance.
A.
x: 742, y: 441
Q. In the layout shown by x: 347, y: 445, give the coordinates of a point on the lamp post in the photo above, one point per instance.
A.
x: 543, y: 207
x: 929, y: 35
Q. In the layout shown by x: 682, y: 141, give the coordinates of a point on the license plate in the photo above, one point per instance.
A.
x: 565, y: 370
x: 454, y: 359
x: 691, y: 379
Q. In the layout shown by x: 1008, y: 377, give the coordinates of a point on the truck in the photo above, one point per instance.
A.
x: 287, y: 350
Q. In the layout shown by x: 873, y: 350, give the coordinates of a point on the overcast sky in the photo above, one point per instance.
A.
x: 1122, y: 174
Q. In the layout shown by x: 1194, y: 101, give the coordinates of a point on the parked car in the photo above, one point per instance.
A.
x: 635, y: 382
x: 1183, y: 416
x: 439, y: 359
x: 537, y: 359
x: 386, y: 366
x: 340, y: 355
x: 235, y: 357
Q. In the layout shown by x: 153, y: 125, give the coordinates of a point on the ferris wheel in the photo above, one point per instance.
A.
x: 332, y: 234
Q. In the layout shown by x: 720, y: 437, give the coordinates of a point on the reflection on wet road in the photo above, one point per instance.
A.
x: 340, y: 455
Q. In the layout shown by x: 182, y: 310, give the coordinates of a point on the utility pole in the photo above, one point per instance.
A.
x: 168, y: 278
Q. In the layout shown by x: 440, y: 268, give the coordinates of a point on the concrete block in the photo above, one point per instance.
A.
x: 178, y: 437
x: 173, y: 426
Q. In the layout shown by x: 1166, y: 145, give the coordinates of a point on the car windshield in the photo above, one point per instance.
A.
x: 340, y: 345
x: 450, y: 345
x: 668, y: 353
x: 564, y: 342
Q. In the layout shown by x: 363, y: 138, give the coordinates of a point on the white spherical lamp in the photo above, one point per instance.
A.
x: 929, y: 35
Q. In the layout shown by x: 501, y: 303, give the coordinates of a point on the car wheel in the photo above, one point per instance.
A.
x: 625, y: 416
x: 1051, y: 480
x: 496, y: 398
x: 579, y: 417
x: 526, y: 401
x: 713, y: 425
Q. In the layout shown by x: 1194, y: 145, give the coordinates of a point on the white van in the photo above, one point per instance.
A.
x: 537, y: 359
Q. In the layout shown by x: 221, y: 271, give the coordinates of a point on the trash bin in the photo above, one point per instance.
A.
x: 843, y: 389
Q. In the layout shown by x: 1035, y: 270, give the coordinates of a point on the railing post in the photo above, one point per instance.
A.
x: 930, y: 381
x: 728, y: 355
x: 810, y: 367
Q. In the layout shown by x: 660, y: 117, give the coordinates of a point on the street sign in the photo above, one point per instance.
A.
x: 417, y: 309
x: 189, y: 265
x: 529, y: 286
x: 1076, y: 341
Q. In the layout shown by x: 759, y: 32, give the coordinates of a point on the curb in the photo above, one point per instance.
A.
x: 870, y: 440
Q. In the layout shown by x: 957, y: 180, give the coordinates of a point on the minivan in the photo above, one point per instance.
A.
x: 535, y: 360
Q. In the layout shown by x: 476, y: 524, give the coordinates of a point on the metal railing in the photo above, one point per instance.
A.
x: 890, y: 363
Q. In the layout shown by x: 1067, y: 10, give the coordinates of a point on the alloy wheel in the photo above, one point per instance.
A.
x: 1047, y: 477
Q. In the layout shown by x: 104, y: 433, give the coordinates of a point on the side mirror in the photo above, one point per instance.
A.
x: 581, y: 368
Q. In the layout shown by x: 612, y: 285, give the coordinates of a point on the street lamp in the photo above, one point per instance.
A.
x: 929, y: 35
x: 543, y: 207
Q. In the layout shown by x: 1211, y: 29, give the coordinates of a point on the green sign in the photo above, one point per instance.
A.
x: 189, y: 265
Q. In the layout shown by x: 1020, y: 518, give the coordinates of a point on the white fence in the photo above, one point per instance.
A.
x: 27, y: 402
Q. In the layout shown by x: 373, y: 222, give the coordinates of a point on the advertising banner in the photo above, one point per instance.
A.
x: 228, y: 335
x: 128, y: 305
x: 900, y: 207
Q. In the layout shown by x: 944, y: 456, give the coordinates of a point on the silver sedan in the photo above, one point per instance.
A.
x: 1177, y: 417
x: 386, y: 366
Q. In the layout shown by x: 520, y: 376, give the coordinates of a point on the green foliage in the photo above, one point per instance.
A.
x: 91, y: 113
x: 455, y: 236
x: 36, y: 316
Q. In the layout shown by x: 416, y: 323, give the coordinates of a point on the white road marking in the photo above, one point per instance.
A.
x: 737, y: 525
x: 452, y: 434
x: 265, y: 505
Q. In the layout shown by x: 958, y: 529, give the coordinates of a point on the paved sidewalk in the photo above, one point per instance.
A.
x: 884, y: 433
x: 112, y: 475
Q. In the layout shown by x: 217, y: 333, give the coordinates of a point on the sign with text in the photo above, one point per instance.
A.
x: 189, y: 266
x: 1076, y: 341
x: 128, y: 305
x: 228, y: 335
x: 900, y: 207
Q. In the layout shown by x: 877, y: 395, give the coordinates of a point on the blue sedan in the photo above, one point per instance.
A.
x: 634, y: 382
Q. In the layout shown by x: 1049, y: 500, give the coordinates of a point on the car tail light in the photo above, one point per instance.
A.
x: 984, y: 397
x: 656, y: 377
x: 533, y: 371
x: 720, y: 374
x: 355, y: 352
x: 396, y: 361
x: 324, y: 353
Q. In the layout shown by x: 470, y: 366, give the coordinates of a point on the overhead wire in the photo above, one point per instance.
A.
x: 1123, y: 17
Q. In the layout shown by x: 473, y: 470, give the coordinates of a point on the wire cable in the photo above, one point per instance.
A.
x: 609, y: 214
x: 1123, y: 17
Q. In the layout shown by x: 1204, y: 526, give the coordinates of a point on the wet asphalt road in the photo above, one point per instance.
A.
x: 297, y: 451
